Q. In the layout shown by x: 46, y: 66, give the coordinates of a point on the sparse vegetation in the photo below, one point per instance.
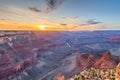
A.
x: 96, y: 74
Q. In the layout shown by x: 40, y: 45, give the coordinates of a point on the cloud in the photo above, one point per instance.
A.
x: 63, y: 17
x: 50, y: 5
x: 53, y: 4
x: 91, y: 22
x: 2, y: 19
x: 63, y: 24
x: 34, y: 9
x: 76, y: 17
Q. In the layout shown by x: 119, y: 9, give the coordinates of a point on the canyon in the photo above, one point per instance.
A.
x: 48, y: 55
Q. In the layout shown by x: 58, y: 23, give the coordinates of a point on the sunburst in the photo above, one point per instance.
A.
x: 42, y: 27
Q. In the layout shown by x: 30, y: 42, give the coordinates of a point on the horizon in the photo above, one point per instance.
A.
x: 59, y: 30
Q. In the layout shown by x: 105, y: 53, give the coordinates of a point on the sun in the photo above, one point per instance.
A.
x: 42, y: 27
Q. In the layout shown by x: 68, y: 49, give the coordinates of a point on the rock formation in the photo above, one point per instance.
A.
x: 117, y: 74
x: 59, y: 77
x: 103, y: 60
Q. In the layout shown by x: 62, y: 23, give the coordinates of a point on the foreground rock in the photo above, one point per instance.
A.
x: 117, y: 74
x: 96, y: 74
x: 99, y: 74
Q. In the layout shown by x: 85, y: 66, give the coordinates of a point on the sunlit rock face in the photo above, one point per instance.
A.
x: 117, y: 74
x: 103, y: 60
x: 59, y: 77
x: 106, y: 60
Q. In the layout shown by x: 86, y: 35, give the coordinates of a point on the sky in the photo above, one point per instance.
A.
x: 60, y: 15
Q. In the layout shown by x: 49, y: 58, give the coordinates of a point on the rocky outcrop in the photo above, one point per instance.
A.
x: 103, y: 60
x: 59, y: 77
x: 106, y: 60
x: 117, y: 74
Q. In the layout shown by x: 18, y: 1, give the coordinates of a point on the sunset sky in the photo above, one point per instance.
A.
x: 59, y: 14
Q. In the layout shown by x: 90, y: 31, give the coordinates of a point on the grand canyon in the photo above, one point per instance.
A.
x: 56, y: 55
x: 59, y: 39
